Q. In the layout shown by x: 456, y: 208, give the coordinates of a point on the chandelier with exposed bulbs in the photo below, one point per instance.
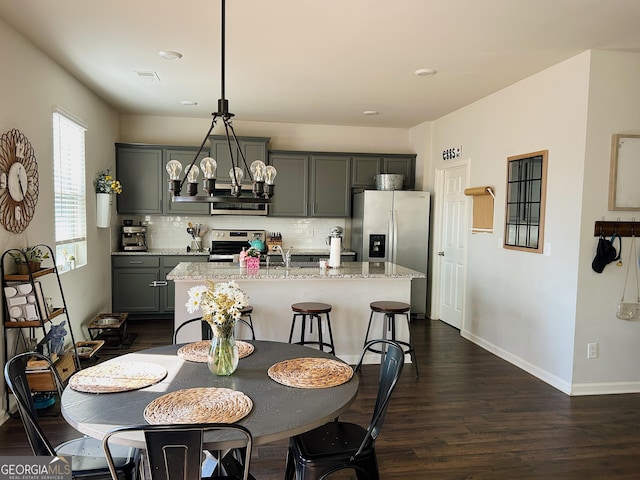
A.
x: 262, y: 176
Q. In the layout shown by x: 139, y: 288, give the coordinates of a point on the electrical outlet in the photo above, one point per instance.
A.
x: 592, y: 350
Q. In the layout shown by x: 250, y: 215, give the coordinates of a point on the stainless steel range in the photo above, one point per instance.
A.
x: 227, y: 244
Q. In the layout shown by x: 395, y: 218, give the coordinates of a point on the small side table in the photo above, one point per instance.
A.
x: 109, y: 324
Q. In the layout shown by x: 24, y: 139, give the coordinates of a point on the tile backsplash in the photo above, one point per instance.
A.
x: 303, y: 234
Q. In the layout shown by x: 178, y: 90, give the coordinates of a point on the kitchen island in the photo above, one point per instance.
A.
x: 349, y: 289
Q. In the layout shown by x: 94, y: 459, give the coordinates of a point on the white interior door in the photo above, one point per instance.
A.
x: 452, y: 246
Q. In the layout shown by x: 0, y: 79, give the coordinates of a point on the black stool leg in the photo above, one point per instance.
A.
x: 304, y: 327
x: 293, y: 326
x: 320, y: 339
x: 412, y: 350
x: 333, y: 347
x: 366, y: 337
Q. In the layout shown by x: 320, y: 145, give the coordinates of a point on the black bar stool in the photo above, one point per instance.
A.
x: 312, y: 310
x: 390, y: 309
x: 245, y: 316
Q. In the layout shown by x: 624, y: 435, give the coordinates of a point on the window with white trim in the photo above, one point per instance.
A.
x: 69, y: 191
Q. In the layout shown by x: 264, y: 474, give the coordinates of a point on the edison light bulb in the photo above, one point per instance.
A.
x: 258, y: 170
x: 270, y: 174
x: 192, y: 176
x: 208, y: 165
x: 239, y: 175
x: 174, y: 169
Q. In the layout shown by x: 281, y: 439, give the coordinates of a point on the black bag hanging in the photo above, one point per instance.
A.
x: 606, y: 252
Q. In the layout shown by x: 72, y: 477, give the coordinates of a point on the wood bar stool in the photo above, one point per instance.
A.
x: 390, y: 309
x: 313, y: 310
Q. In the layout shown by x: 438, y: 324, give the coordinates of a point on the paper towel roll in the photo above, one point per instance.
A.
x: 334, y: 251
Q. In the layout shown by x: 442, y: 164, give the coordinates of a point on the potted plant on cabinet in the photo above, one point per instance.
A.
x: 29, y: 259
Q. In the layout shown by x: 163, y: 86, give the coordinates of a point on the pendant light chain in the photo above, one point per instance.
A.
x: 261, y: 194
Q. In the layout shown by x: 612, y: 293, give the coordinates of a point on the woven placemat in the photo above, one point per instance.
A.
x: 310, y: 372
x: 198, y: 405
x: 198, y: 351
x: 116, y: 376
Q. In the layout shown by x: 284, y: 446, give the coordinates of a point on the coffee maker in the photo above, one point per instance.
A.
x: 134, y: 237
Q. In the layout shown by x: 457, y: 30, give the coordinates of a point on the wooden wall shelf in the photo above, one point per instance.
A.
x: 622, y: 228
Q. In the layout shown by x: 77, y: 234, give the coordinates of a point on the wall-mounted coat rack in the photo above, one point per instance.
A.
x: 622, y: 228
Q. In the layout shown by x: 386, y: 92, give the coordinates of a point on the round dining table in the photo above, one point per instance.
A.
x: 278, y: 411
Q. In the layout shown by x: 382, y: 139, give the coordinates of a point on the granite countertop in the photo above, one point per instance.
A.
x: 161, y: 251
x: 187, y: 271
x: 176, y: 251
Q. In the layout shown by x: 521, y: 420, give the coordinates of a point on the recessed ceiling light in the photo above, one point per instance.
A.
x: 188, y: 103
x: 425, y: 72
x: 169, y: 54
x: 370, y: 112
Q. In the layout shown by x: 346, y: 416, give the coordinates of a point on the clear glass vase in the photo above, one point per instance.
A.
x: 223, y: 355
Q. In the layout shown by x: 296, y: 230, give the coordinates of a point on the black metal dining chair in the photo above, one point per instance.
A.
x: 175, y: 452
x: 206, y: 328
x: 87, y: 458
x: 341, y: 445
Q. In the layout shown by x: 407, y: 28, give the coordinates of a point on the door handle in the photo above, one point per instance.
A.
x: 441, y: 253
x: 157, y: 283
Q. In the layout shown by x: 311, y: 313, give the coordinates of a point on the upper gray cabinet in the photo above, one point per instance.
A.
x: 402, y: 164
x: 364, y: 169
x: 292, y: 185
x: 330, y: 185
x: 185, y: 156
x: 308, y: 184
x: 253, y: 148
x: 311, y: 185
x: 138, y: 168
x: 145, y: 189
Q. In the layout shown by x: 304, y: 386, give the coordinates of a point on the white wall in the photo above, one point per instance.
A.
x: 522, y: 306
x: 614, y: 103
x: 30, y: 86
x: 539, y: 311
x: 284, y: 136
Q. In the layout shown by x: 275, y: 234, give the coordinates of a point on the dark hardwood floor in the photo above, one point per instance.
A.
x: 470, y: 415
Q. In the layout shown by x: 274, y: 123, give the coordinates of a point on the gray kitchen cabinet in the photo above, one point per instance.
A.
x: 168, y: 297
x: 131, y: 278
x: 145, y: 189
x: 185, y: 156
x: 364, y: 169
x: 253, y: 148
x: 310, y: 185
x: 405, y: 165
x: 139, y: 284
x: 138, y: 168
x: 330, y: 186
x: 292, y: 186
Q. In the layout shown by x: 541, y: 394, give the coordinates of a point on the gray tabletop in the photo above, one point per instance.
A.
x: 279, y: 412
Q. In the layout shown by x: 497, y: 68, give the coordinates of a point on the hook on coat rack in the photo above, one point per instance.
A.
x: 618, y: 227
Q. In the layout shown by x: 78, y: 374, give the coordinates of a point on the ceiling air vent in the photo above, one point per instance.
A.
x: 149, y: 76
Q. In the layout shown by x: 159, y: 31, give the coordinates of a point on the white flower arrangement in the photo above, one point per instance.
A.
x: 220, y: 303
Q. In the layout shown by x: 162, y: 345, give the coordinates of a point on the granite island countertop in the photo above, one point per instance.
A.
x: 160, y: 251
x: 182, y: 251
x: 187, y: 271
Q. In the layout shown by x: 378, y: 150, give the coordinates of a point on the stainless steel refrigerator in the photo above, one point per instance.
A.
x: 393, y: 226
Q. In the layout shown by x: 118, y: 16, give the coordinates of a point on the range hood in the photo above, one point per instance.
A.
x: 235, y: 207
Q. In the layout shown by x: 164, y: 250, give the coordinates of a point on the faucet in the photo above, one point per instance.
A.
x: 286, y: 257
